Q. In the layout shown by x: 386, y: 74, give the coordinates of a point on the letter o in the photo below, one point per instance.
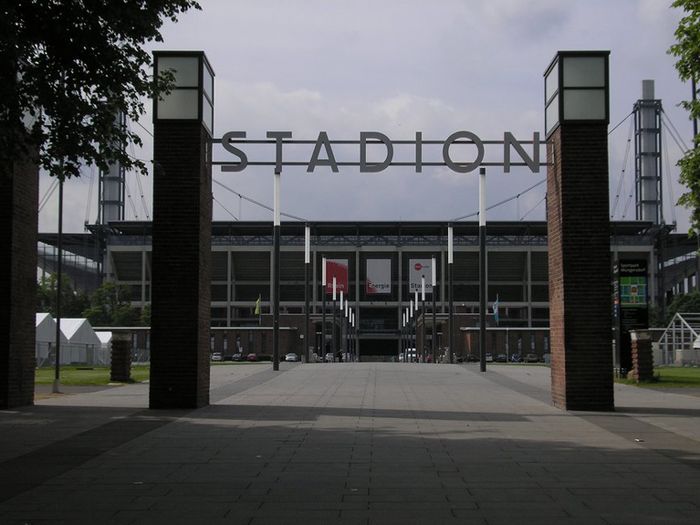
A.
x: 462, y: 167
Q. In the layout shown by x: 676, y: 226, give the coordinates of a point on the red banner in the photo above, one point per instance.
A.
x: 337, y: 268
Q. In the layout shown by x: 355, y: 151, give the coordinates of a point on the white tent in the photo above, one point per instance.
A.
x: 83, y: 344
x: 104, y: 355
x: 46, y: 338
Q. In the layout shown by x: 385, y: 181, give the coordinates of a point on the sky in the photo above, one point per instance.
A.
x: 397, y: 67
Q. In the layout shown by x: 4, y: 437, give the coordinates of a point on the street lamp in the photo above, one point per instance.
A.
x: 576, y: 88
x: 323, y: 307
x: 335, y: 337
x: 424, y: 335
x: 434, y: 285
x: 483, y: 285
x: 307, y: 265
x: 450, y: 306
x: 192, y: 94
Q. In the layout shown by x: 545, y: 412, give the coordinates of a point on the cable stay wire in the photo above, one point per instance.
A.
x: 621, y: 122
x: 224, y: 207
x: 88, y: 204
x: 48, y: 194
x: 131, y: 201
x: 678, y: 140
x: 678, y: 137
x: 142, y: 127
x: 504, y: 201
x: 253, y: 201
x: 544, y: 198
x: 669, y: 181
x: 624, y: 170
x: 630, y: 196
x: 138, y: 179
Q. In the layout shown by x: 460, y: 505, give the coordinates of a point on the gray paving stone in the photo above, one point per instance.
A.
x: 352, y: 443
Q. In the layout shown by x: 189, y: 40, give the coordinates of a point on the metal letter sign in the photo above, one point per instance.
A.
x: 487, y: 152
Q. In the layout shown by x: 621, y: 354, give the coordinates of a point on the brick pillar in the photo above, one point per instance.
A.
x: 180, y: 316
x: 120, y: 368
x: 19, y: 198
x: 579, y: 267
x: 642, y: 357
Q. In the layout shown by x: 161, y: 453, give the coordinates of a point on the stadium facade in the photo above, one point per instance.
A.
x: 241, y: 274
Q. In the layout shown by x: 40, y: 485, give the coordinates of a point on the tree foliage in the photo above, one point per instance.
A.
x: 73, y: 302
x: 687, y: 52
x: 70, y: 65
x: 110, y: 305
x: 686, y: 303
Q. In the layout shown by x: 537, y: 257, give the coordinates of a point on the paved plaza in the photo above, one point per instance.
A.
x: 353, y: 443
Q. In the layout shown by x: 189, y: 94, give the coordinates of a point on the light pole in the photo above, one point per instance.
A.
x: 482, y: 268
x: 342, y: 325
x: 335, y: 335
x: 59, y: 277
x: 423, y: 342
x: 402, y: 346
x: 407, y: 341
x: 450, y: 291
x: 323, y: 308
x: 410, y: 330
x: 415, y: 324
x: 307, y: 264
x: 346, y: 322
x: 434, y: 284
x: 276, y: 274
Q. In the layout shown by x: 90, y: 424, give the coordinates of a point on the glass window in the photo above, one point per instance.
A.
x: 185, y: 69
x: 584, y: 72
x: 179, y: 104
x: 208, y: 82
x: 207, y: 114
x: 584, y: 104
x: 551, y: 83
x: 551, y: 115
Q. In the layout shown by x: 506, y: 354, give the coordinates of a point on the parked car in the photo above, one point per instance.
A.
x: 216, y: 356
x: 489, y: 358
x: 531, y: 358
x: 472, y: 358
x: 501, y: 358
x: 252, y: 357
x: 237, y: 357
x: 291, y: 357
x: 516, y: 358
x: 329, y: 357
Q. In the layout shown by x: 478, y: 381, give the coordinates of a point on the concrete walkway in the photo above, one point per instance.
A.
x: 354, y: 443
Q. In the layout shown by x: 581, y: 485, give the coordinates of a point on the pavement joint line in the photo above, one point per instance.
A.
x: 121, y: 430
x: 609, y: 421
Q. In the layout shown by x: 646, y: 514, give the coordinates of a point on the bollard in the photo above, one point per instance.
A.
x: 120, y: 371
x: 642, y: 357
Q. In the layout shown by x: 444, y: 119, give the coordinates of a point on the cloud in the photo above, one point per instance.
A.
x: 399, y: 67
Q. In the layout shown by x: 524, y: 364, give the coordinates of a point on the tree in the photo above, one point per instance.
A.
x: 686, y: 303
x: 73, y: 302
x: 70, y: 66
x: 687, y: 52
x: 111, y: 306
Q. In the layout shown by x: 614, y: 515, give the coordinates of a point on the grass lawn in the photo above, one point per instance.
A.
x: 672, y: 376
x: 87, y: 376
x: 99, y: 375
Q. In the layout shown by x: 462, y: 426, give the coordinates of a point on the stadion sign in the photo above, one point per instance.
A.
x: 323, y: 153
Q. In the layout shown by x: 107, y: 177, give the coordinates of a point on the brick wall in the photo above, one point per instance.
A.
x: 19, y: 197
x: 181, y: 266
x: 579, y: 267
x: 642, y: 356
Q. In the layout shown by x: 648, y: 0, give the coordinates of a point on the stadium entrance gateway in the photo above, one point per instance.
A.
x: 576, y: 120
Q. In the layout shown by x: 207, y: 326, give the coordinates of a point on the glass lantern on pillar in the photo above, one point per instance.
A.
x: 192, y: 96
x: 576, y: 89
